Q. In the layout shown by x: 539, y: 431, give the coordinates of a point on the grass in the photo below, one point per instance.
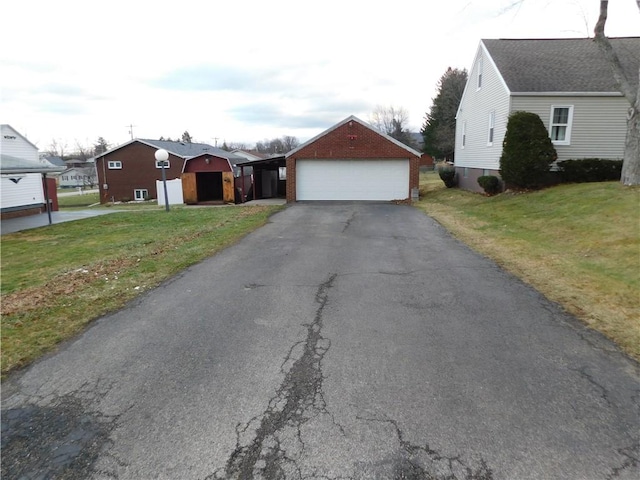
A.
x: 58, y: 278
x: 577, y: 244
x: 83, y: 200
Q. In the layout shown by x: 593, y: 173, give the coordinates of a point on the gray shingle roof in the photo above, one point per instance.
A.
x: 186, y: 150
x: 562, y: 65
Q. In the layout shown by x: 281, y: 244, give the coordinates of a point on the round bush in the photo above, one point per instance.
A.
x: 490, y: 184
x: 527, y: 152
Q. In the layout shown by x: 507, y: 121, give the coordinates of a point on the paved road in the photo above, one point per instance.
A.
x: 339, y: 341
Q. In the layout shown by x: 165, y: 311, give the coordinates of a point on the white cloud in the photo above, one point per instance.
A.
x: 248, y: 70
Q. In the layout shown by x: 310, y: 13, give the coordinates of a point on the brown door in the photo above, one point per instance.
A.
x: 227, y: 188
x: 189, y: 188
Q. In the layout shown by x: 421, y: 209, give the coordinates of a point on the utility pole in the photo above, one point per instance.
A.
x: 130, y: 127
x: 215, y: 139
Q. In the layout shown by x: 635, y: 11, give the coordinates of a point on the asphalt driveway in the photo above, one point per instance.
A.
x: 339, y: 341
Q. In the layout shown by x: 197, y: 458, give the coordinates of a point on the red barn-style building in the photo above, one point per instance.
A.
x: 130, y: 171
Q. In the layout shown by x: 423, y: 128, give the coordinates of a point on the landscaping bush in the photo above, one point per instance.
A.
x: 527, y: 152
x: 447, y: 174
x: 490, y: 184
x: 589, y: 170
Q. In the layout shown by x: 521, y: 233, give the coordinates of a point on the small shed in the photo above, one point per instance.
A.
x: 211, y: 178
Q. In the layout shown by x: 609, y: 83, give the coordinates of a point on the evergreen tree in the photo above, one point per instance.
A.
x: 439, y: 129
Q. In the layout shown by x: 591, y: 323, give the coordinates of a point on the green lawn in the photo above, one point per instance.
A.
x: 578, y: 244
x: 58, y: 278
x: 83, y: 200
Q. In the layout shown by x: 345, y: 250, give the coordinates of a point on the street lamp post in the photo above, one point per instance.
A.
x: 162, y: 156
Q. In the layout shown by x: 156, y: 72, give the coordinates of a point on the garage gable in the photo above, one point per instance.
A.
x: 352, y: 161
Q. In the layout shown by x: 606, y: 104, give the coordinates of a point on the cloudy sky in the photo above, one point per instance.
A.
x: 246, y: 70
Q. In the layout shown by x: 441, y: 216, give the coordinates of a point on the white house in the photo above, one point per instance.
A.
x: 566, y: 82
x: 83, y: 177
x: 21, y: 175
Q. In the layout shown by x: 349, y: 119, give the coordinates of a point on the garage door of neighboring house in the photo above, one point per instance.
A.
x: 352, y: 179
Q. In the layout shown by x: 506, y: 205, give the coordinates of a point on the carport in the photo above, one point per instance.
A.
x: 269, y: 178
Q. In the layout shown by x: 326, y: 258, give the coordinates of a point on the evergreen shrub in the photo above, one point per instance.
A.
x: 589, y: 170
x: 527, y: 152
x: 490, y: 184
x: 447, y: 174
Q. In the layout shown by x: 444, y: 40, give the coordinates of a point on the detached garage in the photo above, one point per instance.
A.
x: 352, y: 161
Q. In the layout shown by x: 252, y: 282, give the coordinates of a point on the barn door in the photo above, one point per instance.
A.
x: 228, y: 195
x: 189, y: 188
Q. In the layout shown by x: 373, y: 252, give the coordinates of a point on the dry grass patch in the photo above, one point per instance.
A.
x: 58, y: 278
x: 579, y: 245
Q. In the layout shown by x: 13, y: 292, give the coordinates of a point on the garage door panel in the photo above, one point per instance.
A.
x: 352, y: 179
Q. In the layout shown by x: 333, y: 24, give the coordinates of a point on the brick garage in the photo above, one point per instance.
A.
x: 352, y: 161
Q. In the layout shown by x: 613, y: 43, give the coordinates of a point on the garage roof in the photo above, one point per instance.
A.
x: 353, y: 118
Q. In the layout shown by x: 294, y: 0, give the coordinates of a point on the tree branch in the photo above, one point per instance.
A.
x: 610, y: 55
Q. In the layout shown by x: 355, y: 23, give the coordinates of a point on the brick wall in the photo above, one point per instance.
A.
x: 138, y: 172
x: 352, y: 140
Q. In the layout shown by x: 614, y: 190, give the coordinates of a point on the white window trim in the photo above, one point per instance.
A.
x: 167, y: 163
x: 114, y: 165
x: 491, y: 133
x: 479, y: 75
x: 145, y: 193
x: 464, y: 133
x: 567, y: 136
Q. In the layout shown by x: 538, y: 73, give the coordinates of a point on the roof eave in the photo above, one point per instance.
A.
x: 566, y: 94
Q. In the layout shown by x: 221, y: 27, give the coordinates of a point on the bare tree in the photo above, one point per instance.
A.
x: 631, y: 160
x: 57, y: 148
x: 289, y: 143
x: 393, y: 122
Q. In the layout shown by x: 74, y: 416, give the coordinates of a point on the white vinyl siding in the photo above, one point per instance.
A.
x: 24, y: 189
x: 599, y: 124
x: 14, y: 144
x: 474, y: 112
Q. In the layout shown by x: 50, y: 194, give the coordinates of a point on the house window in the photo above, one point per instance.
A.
x: 140, y: 194
x: 160, y: 162
x: 464, y: 133
x: 492, y: 124
x: 282, y: 173
x: 486, y: 172
x: 479, y: 73
x: 114, y: 165
x: 560, y: 124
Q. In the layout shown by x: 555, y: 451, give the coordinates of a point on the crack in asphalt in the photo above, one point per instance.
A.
x: 62, y: 439
x: 347, y: 224
x: 421, y: 462
x: 632, y: 459
x: 604, y: 393
x: 298, y: 399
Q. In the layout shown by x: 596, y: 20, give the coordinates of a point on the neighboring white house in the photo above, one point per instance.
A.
x: 566, y: 82
x: 83, y: 177
x: 21, y: 174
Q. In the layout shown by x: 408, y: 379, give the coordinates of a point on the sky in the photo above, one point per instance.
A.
x: 242, y: 71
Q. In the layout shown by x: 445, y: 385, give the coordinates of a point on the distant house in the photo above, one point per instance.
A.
x: 25, y: 181
x: 352, y: 160
x: 129, y: 171
x: 78, y: 177
x: 566, y: 82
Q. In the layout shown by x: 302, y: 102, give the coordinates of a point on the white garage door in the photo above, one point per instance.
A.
x: 352, y: 179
